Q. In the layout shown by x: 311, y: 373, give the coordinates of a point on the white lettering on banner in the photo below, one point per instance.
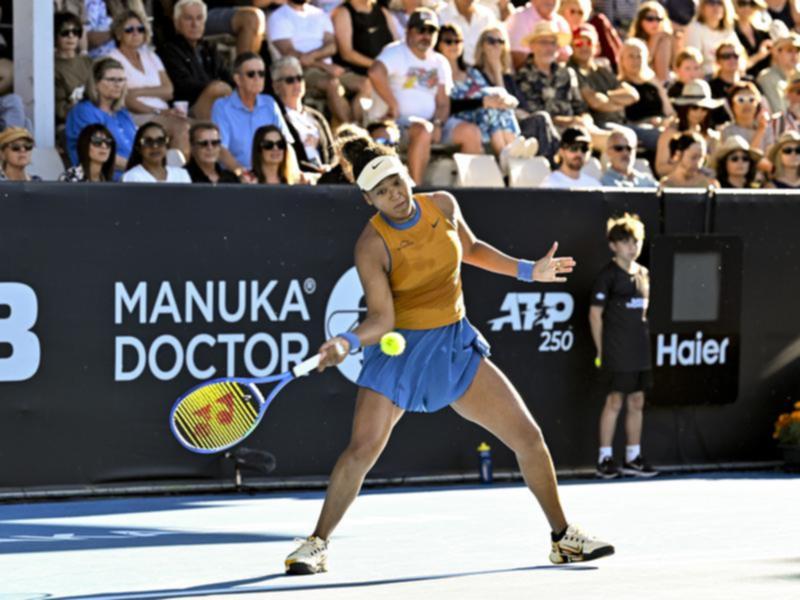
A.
x: 691, y: 352
x: 526, y: 310
x: 15, y: 330
x: 210, y: 300
x: 209, y: 354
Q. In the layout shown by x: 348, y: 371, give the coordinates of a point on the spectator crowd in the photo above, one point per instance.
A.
x: 622, y: 93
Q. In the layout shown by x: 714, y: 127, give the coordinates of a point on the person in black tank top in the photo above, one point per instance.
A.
x: 362, y: 29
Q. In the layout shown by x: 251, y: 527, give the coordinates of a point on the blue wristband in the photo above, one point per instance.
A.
x: 525, y: 270
x: 352, y: 338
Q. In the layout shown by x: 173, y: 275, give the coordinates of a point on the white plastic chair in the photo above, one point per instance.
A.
x: 46, y: 163
x: 593, y: 168
x: 643, y: 166
x: 527, y: 172
x: 477, y: 170
x: 175, y: 158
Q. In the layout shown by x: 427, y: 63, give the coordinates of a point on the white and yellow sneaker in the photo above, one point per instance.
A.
x: 311, y: 557
x: 576, y: 546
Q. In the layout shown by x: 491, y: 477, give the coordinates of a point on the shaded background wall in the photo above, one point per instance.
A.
x: 86, y: 250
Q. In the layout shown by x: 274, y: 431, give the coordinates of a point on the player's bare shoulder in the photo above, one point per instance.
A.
x: 371, y: 247
x: 447, y: 203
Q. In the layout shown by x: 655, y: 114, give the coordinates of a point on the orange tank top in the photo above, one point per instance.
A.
x: 425, y: 269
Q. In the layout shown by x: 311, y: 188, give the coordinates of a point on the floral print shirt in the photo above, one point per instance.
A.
x: 556, y: 93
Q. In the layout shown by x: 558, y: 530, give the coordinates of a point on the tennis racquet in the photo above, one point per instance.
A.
x: 218, y: 414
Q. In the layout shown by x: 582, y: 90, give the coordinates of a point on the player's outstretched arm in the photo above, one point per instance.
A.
x: 549, y: 268
x: 372, y: 262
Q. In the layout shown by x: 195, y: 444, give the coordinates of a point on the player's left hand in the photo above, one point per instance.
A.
x: 551, y: 269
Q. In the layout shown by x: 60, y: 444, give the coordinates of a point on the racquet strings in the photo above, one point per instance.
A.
x: 216, y: 415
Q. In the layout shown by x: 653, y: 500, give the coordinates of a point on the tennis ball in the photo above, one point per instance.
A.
x: 598, y: 362
x: 393, y: 344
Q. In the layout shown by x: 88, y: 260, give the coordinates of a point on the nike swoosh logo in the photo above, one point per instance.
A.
x: 435, y: 223
x: 375, y: 166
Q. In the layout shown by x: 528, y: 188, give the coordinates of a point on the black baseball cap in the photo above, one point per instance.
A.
x: 423, y: 17
x: 573, y: 135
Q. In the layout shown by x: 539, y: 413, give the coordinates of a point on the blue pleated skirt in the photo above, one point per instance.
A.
x: 435, y: 370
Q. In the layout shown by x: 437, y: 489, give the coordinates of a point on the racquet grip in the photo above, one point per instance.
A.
x: 305, y: 367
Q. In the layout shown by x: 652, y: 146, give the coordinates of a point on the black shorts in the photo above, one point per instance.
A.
x: 626, y: 382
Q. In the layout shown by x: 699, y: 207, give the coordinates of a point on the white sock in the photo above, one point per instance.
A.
x: 632, y: 452
x: 605, y: 452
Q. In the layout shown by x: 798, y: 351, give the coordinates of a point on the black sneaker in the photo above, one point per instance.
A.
x: 638, y: 468
x: 607, y: 469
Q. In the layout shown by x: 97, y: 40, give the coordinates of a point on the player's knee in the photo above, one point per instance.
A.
x: 364, y: 452
x: 530, y: 441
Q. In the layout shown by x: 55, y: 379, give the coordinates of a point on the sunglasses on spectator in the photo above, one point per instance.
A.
x: 739, y: 158
x: 714, y: 2
x: 451, y: 41
x: 261, y: 73
x: 115, y: 80
x: 745, y: 3
x: 134, y: 28
x: 793, y: 90
x: 787, y: 150
x: 427, y: 30
x: 386, y: 142
x: 745, y: 99
x: 581, y: 147
x: 728, y: 55
x: 579, y: 42
x: 100, y: 140
x: 66, y: 32
x: 158, y: 142
x: 621, y: 148
x: 25, y: 147
x: 290, y: 79
x: 653, y: 19
x: 272, y: 144
x: 208, y: 143
x: 494, y: 41
x: 575, y: 11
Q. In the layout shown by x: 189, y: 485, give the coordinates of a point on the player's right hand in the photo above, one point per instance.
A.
x: 333, y: 352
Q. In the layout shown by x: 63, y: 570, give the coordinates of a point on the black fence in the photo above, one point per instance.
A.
x: 115, y: 299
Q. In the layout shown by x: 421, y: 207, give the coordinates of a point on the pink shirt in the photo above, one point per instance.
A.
x: 522, y: 22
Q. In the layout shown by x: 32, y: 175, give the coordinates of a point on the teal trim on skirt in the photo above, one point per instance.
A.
x: 435, y: 370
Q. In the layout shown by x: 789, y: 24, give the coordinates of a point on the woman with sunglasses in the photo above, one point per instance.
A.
x: 96, y: 154
x: 751, y: 118
x: 712, y: 26
x: 735, y: 164
x: 99, y: 14
x: 478, y: 98
x: 755, y: 40
x: 693, y: 114
x: 73, y: 70
x: 785, y: 156
x: 149, y: 86
x: 204, y: 165
x: 271, y: 160
x: 104, y: 104
x: 652, y: 26
x: 16, y: 145
x: 148, y: 161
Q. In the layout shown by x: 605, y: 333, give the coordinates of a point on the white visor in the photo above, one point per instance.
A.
x: 379, y: 168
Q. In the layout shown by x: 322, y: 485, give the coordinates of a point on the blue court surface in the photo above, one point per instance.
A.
x: 724, y: 535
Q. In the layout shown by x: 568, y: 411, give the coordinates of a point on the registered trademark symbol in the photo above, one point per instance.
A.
x: 310, y: 285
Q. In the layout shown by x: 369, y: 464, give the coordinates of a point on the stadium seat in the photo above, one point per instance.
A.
x: 441, y: 172
x: 643, y: 166
x: 175, y: 158
x: 593, y: 168
x: 46, y: 163
x: 527, y: 172
x: 477, y: 170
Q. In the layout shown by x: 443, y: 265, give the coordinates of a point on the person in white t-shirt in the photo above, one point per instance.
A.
x: 149, y: 87
x: 148, y: 160
x: 412, y: 84
x: 472, y: 18
x: 576, y: 143
x: 304, y: 31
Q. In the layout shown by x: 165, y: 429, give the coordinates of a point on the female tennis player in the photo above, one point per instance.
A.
x: 409, y: 261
